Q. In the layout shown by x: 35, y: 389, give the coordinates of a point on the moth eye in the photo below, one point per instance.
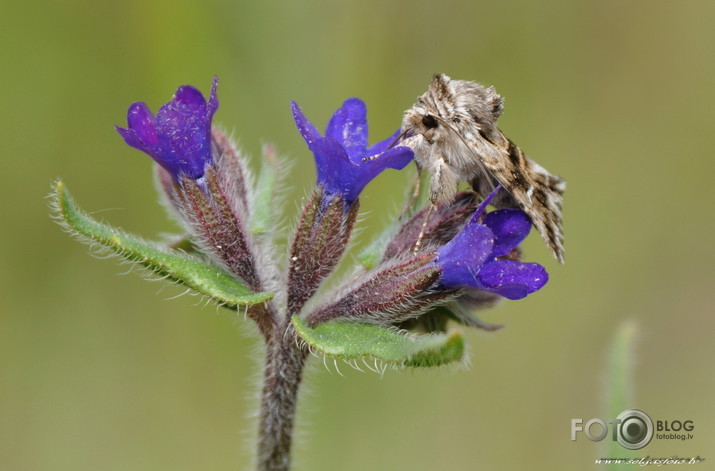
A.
x: 429, y: 121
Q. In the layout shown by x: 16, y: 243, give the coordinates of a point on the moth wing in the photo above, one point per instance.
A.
x: 538, y: 193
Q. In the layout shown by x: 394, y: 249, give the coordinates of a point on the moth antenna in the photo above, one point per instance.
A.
x: 392, y: 144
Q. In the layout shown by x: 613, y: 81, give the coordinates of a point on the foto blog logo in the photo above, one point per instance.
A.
x: 632, y: 429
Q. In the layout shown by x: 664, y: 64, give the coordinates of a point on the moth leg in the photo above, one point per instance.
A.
x: 444, y: 182
x: 442, y: 188
x: 435, y: 181
x: 416, y: 248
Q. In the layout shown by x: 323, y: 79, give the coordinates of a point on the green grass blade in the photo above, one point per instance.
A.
x: 619, y: 384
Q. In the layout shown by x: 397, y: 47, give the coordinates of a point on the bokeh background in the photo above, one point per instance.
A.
x: 102, y: 371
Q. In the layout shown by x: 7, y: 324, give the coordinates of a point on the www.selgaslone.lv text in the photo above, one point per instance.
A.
x: 648, y: 461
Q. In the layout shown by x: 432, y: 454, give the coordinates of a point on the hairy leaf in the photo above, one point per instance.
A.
x: 176, y: 266
x: 356, y: 340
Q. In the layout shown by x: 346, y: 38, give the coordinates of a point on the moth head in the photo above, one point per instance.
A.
x: 420, y: 120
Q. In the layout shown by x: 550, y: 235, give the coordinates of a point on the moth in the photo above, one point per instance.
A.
x: 453, y: 132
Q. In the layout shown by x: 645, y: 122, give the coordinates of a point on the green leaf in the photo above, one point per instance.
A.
x: 263, y: 208
x: 356, y: 340
x: 176, y: 266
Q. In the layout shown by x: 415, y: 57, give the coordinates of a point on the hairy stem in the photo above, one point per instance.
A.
x: 282, y: 375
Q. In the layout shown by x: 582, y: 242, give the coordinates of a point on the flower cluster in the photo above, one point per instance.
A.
x: 466, y: 253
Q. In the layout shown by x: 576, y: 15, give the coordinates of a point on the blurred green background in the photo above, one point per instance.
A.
x: 99, y: 372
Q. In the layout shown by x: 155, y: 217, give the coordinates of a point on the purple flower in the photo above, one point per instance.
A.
x: 475, y: 256
x: 179, y: 137
x: 344, y: 162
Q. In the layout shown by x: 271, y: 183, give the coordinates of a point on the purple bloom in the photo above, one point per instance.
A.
x: 475, y: 257
x: 344, y: 162
x: 179, y: 137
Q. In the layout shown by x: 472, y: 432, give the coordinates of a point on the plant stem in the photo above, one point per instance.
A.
x: 282, y: 375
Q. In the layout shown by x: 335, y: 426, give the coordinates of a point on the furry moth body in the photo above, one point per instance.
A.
x: 453, y: 132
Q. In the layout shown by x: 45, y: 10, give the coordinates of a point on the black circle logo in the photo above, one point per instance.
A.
x: 635, y: 429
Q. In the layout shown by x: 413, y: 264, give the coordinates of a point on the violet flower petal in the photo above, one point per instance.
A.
x: 513, y: 280
x: 462, y: 257
x: 141, y: 121
x: 335, y: 170
x: 396, y: 158
x: 190, y: 97
x: 309, y: 132
x: 510, y: 228
x: 212, y: 104
x: 130, y: 137
x: 479, y: 212
x: 348, y: 126
x: 363, y: 173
